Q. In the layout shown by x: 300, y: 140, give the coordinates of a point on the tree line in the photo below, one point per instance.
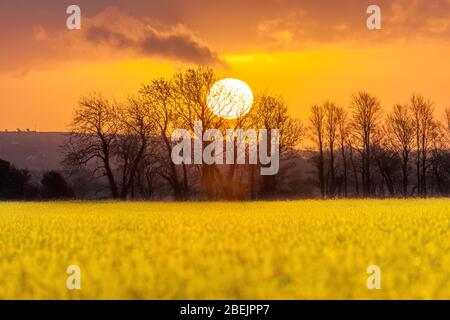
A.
x: 17, y: 184
x: 364, y: 153
x: 129, y: 143
x: 353, y: 151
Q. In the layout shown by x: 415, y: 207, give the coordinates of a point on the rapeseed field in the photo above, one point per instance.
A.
x: 260, y: 250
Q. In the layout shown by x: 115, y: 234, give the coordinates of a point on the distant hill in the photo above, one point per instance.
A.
x: 40, y: 151
x: 35, y: 151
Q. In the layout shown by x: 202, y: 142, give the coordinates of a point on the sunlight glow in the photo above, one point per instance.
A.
x: 230, y: 98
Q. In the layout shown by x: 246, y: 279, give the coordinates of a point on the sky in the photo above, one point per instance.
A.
x: 307, y: 51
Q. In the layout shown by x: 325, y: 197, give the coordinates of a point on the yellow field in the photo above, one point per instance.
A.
x: 278, y: 250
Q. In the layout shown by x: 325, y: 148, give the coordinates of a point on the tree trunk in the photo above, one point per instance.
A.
x: 355, y: 172
x: 405, y: 174
x: 321, y: 171
x: 332, y: 172
x: 424, y: 168
x: 111, y: 180
x: 344, y: 163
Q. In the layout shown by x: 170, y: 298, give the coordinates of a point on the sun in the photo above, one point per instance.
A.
x: 230, y: 98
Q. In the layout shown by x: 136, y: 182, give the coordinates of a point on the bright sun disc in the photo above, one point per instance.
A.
x: 230, y: 98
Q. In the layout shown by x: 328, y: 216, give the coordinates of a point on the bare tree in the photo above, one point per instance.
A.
x: 231, y: 189
x: 191, y: 89
x: 447, y: 123
x: 354, y: 165
x: 317, y: 130
x: 388, y: 163
x: 134, y: 140
x: 365, y: 123
x: 423, y: 121
x: 331, y: 130
x: 343, y: 132
x: 160, y: 104
x: 93, y: 137
x: 271, y: 112
x: 439, y: 158
x: 399, y: 136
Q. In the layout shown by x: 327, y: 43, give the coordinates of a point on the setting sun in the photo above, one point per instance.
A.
x: 230, y: 98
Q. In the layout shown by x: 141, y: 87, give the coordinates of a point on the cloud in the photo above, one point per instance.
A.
x: 178, y: 44
x: 195, y: 31
x: 111, y: 34
x: 344, y: 22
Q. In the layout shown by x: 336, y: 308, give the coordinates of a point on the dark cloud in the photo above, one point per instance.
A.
x: 104, y: 36
x: 178, y: 45
x: 35, y: 31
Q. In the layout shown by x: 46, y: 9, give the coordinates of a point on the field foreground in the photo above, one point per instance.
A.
x: 277, y: 250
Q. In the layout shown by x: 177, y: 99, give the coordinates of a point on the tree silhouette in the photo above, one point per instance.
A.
x: 55, y: 186
x: 271, y: 112
x: 424, y: 124
x: 399, y: 136
x: 317, y: 128
x: 366, y: 116
x: 191, y: 88
x: 93, y: 137
x: 15, y: 184
x: 159, y: 100
x: 133, y: 141
x: 356, y: 151
x: 343, y: 132
x: 331, y: 129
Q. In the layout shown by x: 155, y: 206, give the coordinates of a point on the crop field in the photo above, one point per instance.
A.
x: 260, y: 250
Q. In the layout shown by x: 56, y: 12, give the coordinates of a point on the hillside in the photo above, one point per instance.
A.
x: 32, y: 150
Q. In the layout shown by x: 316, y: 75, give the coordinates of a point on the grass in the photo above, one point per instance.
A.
x: 262, y: 250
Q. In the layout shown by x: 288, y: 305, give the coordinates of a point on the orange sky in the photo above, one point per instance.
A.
x: 308, y: 51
